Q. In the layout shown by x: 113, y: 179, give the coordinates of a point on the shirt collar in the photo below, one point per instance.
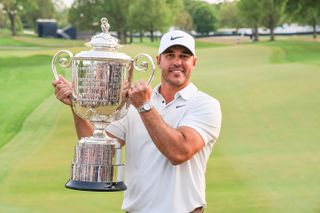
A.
x: 185, y: 93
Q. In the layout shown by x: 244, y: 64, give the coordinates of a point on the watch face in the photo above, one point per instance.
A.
x: 146, y: 107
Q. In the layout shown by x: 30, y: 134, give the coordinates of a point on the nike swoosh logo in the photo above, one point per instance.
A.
x: 179, y: 106
x: 174, y: 38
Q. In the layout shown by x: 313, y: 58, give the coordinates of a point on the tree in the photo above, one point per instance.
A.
x: 61, y: 13
x: 83, y: 15
x: 228, y: 15
x: 158, y: 17
x: 153, y: 16
x: 3, y: 19
x: 15, y: 7
x: 41, y: 9
x: 176, y: 7
x: 27, y: 11
x: 86, y: 15
x: 250, y: 13
x: 272, y: 11
x: 305, y: 12
x: 180, y: 15
x: 184, y: 21
x: 204, y: 19
x: 128, y: 15
x: 136, y: 20
x: 117, y: 13
x: 190, y: 5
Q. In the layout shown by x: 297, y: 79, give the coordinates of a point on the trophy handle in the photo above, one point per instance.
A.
x: 142, y: 65
x: 63, y: 62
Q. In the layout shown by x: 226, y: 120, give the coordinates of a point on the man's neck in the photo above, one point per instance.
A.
x: 168, y: 91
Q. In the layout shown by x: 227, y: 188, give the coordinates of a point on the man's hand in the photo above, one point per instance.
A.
x: 63, y: 90
x: 140, y: 93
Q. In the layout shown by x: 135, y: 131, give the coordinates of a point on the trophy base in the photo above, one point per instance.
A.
x: 96, y: 186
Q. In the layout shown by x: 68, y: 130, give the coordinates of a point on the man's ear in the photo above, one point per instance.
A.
x: 158, y: 59
x: 195, y: 59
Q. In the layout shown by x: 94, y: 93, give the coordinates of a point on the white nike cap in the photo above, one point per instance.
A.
x: 177, y: 37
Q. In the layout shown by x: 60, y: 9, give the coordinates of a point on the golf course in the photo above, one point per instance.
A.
x: 267, y: 159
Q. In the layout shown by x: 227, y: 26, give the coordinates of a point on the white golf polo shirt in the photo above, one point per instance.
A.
x: 154, y: 184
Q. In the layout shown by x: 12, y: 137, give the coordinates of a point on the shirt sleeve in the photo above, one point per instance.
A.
x: 117, y: 128
x: 204, y: 116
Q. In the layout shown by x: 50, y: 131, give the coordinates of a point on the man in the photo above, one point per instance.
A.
x: 168, y: 132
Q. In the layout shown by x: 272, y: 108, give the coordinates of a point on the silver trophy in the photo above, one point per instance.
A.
x: 98, y: 78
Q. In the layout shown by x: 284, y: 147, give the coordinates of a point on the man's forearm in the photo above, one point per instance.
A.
x: 178, y: 145
x: 83, y: 127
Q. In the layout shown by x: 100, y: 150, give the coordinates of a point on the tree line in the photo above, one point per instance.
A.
x: 270, y: 14
x: 138, y: 17
x: 129, y: 17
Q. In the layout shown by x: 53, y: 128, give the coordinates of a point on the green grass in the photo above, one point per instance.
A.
x: 9, y: 42
x: 294, y: 51
x: 24, y: 84
x: 268, y: 151
x: 202, y: 44
x: 266, y: 159
x: 35, y: 166
x: 49, y: 42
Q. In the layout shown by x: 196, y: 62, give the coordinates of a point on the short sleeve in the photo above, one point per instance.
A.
x: 204, y: 115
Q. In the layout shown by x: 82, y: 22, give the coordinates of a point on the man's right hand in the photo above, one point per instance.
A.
x: 63, y: 90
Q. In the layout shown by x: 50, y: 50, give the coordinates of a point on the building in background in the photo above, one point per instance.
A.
x: 48, y: 28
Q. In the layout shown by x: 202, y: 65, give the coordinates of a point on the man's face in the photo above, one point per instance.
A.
x: 176, y: 64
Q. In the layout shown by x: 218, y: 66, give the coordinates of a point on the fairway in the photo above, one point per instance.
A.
x: 266, y: 160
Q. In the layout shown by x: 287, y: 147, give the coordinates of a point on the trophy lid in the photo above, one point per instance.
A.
x: 104, y: 45
x: 104, y: 39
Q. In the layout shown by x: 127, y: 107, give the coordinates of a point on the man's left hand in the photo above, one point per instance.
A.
x: 139, y: 93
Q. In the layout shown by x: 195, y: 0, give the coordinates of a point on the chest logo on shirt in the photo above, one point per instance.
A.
x: 179, y: 106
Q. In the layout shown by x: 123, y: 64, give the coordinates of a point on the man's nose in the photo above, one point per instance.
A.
x: 177, y: 61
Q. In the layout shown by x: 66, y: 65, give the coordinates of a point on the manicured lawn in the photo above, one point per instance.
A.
x: 24, y: 84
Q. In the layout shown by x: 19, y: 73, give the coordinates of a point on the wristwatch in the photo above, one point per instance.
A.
x: 145, y: 107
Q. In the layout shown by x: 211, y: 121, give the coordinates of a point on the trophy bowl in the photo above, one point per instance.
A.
x: 98, y: 79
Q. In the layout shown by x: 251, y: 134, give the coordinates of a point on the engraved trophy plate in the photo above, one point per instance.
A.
x: 98, y: 77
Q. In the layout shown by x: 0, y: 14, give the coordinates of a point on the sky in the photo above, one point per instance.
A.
x: 69, y: 2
